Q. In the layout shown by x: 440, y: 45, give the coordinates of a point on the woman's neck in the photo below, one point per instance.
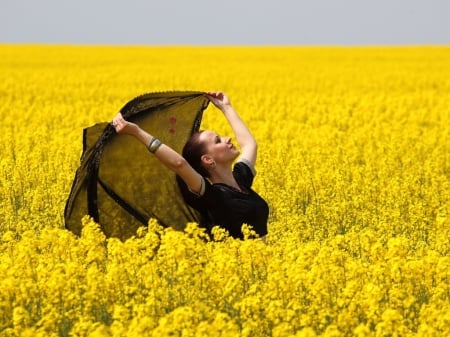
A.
x: 223, y: 175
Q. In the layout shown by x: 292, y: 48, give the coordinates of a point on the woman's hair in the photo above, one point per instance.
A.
x: 193, y: 151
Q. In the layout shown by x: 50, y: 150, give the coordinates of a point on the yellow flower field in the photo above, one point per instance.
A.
x: 354, y: 161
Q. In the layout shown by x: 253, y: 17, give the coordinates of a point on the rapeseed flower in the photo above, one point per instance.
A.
x: 353, y: 161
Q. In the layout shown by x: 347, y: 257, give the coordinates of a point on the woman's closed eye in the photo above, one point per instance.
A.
x: 217, y: 140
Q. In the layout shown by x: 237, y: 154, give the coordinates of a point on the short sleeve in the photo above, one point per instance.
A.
x: 249, y: 165
x: 202, y: 189
x: 198, y: 201
x: 244, y: 172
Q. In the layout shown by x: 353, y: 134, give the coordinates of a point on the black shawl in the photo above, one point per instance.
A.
x: 119, y: 183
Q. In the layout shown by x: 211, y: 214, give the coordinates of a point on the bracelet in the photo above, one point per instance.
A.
x: 154, y: 145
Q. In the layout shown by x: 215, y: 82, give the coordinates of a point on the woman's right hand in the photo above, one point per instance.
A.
x: 124, y: 127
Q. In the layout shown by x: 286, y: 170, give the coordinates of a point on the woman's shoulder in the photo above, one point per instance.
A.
x: 243, y: 163
x: 244, y: 172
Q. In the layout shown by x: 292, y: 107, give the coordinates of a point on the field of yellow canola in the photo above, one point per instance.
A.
x: 354, y: 161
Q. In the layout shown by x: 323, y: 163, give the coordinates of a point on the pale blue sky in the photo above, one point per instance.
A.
x: 232, y: 22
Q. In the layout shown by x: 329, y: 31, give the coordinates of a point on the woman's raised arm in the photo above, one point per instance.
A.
x: 245, y: 139
x: 170, y: 158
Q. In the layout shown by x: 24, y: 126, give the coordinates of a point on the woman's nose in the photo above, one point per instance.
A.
x: 227, y: 140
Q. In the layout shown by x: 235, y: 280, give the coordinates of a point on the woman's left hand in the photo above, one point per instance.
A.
x: 219, y: 99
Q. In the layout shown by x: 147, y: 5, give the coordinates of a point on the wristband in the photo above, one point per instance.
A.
x: 154, y: 145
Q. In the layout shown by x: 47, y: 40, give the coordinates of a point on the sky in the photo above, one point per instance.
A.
x: 226, y: 22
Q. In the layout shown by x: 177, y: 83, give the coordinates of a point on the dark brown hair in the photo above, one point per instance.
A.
x: 193, y: 151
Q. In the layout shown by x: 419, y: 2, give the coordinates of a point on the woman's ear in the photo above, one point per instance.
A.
x: 207, y: 160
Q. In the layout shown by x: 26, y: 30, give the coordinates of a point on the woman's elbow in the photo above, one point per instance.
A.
x: 255, y: 145
x: 178, y: 164
x: 251, y: 146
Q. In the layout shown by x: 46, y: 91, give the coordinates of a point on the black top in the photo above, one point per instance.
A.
x: 224, y: 206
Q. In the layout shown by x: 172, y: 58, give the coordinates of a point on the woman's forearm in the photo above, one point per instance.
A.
x: 143, y: 137
x: 172, y: 159
x: 169, y: 157
x: 166, y: 155
x: 243, y: 135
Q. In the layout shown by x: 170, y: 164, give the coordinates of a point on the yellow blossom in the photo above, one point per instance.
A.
x: 353, y: 160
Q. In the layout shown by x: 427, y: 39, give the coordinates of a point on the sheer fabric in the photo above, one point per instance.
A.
x: 119, y: 183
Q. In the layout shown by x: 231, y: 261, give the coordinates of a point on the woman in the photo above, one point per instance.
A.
x: 208, y: 180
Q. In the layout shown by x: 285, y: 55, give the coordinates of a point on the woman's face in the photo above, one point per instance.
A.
x: 220, y: 149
